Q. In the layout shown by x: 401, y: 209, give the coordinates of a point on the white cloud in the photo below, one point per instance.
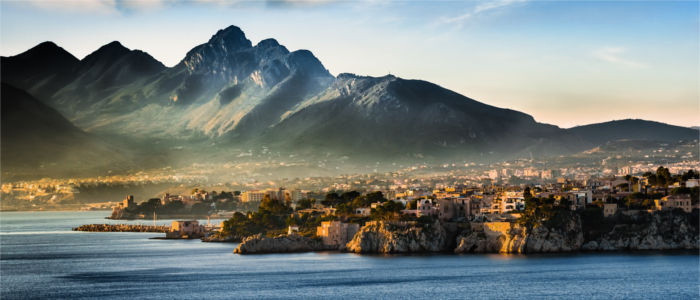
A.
x: 479, y: 9
x: 615, y: 55
x: 142, y: 5
x: 76, y: 6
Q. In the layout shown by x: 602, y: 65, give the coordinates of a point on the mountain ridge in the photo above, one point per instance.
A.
x: 229, y: 91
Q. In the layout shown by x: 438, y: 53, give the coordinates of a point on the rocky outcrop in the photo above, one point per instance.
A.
x: 505, y: 237
x: 658, y: 231
x: 279, y: 244
x: 398, y: 237
x: 218, y: 238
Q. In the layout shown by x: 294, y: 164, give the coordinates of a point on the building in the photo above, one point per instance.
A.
x: 128, y: 202
x: 296, y: 195
x: 449, y: 208
x: 336, y: 233
x: 609, y: 209
x: 425, y: 207
x: 692, y: 183
x: 292, y: 229
x: 185, y: 230
x: 252, y: 196
x: 681, y: 201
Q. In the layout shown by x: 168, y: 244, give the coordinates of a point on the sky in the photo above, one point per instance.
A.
x: 566, y: 63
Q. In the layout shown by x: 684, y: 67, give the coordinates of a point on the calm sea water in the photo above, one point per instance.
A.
x: 41, y: 258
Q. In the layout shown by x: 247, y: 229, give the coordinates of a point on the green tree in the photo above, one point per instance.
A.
x: 305, y: 203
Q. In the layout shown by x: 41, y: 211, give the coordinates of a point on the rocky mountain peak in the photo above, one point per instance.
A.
x: 230, y: 37
x: 108, y: 53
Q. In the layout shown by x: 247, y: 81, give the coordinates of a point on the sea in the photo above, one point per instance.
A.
x: 41, y: 258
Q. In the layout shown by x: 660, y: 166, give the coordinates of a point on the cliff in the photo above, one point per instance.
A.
x: 398, y: 237
x: 505, y: 237
x: 279, y: 244
x: 659, y: 231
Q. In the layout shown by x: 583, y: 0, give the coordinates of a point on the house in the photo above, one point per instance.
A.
x: 185, y: 230
x: 681, y: 201
x: 336, y: 233
x: 449, y: 208
x: 609, y: 209
x: 292, y: 229
x: 425, y: 207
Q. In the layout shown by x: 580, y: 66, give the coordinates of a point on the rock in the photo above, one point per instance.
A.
x: 664, y: 230
x: 590, y: 246
x: 217, y: 238
x: 279, y: 244
x: 505, y: 237
x: 398, y: 237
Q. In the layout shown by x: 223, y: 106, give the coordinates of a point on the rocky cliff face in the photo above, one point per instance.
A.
x: 658, y: 231
x: 390, y: 237
x: 504, y: 237
x: 279, y: 244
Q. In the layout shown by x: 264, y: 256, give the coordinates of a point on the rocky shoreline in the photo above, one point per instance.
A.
x: 653, y: 232
x: 280, y: 244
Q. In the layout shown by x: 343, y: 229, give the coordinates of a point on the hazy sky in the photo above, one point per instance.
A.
x: 566, y: 63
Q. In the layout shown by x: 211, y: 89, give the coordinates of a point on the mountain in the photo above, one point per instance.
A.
x: 41, y: 70
x: 77, y: 87
x: 227, y: 92
x: 389, y: 116
x: 633, y: 129
x: 37, y: 141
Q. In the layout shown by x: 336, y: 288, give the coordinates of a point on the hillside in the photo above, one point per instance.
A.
x: 228, y: 93
x: 37, y: 141
x: 633, y: 129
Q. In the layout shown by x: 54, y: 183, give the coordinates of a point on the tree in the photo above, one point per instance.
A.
x: 331, y: 199
x: 527, y: 194
x: 387, y: 211
x: 305, y: 203
x: 349, y: 196
x: 272, y: 206
x: 663, y: 176
x: 376, y: 197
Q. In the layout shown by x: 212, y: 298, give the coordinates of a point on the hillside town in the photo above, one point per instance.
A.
x: 333, y: 218
x: 271, y: 172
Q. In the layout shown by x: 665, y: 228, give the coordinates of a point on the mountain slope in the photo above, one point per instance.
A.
x: 38, y: 141
x: 389, y: 116
x: 229, y: 92
x: 633, y: 129
x: 41, y: 70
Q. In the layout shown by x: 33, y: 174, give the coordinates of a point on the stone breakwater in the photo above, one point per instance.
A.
x: 122, y: 228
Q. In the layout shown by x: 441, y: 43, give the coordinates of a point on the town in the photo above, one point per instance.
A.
x: 267, y: 170
x: 332, y: 219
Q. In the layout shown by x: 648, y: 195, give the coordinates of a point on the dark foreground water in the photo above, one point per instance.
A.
x: 41, y: 258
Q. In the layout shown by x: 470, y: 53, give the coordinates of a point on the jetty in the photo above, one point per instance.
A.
x: 122, y: 228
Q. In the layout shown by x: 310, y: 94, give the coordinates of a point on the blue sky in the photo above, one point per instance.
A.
x: 566, y: 63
